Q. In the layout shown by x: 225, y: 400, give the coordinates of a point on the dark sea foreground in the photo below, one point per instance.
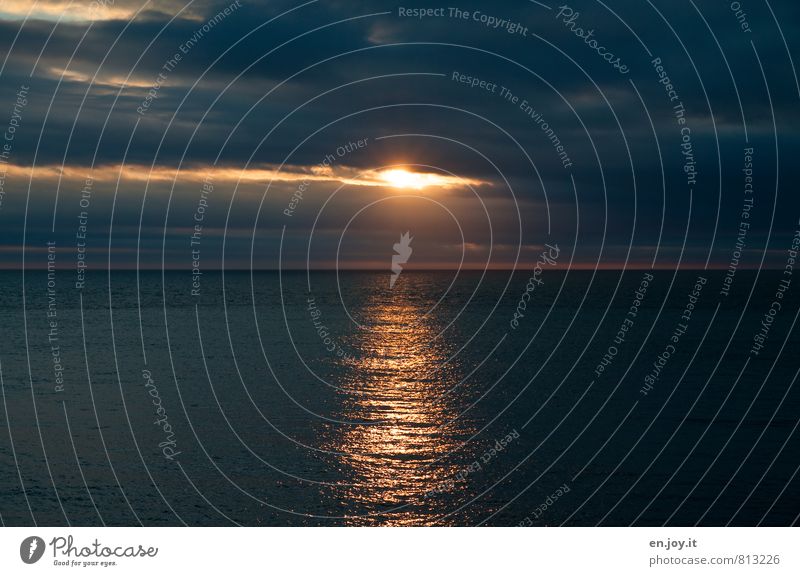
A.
x: 327, y: 399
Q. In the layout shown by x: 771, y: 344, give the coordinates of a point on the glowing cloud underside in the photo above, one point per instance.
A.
x: 82, y: 11
x: 263, y: 174
x: 64, y: 11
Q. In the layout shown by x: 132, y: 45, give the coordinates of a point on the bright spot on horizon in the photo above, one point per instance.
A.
x: 400, y: 178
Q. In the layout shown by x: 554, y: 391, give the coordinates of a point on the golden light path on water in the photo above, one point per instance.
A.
x: 398, y: 382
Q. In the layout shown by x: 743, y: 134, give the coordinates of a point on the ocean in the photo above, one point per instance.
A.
x: 324, y: 398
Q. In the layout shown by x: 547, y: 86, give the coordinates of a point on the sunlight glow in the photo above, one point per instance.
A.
x: 400, y: 178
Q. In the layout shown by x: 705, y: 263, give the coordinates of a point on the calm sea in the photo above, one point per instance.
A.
x: 328, y: 399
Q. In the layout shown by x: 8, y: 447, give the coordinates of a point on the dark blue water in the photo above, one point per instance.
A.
x: 326, y: 399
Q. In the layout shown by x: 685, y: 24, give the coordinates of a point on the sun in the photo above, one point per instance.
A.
x: 406, y: 179
x: 400, y: 178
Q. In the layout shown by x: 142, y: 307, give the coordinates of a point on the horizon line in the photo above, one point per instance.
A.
x: 579, y: 268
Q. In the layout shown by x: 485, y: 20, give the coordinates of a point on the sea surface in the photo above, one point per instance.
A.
x: 325, y: 398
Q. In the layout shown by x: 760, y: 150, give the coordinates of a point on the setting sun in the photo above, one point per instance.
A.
x: 401, y: 178
x: 405, y: 179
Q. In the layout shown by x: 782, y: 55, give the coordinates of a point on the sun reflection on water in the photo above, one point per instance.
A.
x: 396, y: 384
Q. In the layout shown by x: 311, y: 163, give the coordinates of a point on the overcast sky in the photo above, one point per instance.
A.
x: 260, y: 96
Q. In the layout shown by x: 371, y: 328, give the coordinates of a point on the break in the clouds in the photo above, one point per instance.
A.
x: 619, y: 130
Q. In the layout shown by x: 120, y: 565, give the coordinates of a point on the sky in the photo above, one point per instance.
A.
x: 314, y: 134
